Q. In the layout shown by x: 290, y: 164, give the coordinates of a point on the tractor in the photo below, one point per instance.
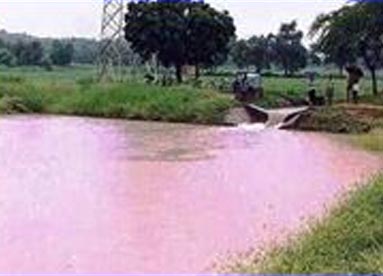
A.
x: 247, y: 87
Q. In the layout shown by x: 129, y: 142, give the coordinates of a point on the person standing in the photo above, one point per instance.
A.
x: 311, y: 91
x: 355, y: 92
x: 354, y: 76
x: 330, y: 89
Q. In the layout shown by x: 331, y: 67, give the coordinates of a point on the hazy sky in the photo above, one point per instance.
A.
x: 67, y: 18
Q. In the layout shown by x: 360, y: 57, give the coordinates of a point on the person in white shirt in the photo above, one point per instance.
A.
x: 355, y: 92
x: 354, y: 75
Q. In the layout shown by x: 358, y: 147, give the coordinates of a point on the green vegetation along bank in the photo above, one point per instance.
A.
x: 348, y: 240
x: 71, y: 91
x: 341, y: 118
x: 126, y: 100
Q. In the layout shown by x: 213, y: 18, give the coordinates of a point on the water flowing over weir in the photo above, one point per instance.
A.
x: 251, y: 116
x: 82, y: 195
x: 277, y: 118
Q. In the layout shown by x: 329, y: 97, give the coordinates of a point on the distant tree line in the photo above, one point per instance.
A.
x: 284, y: 50
x: 24, y: 53
x: 24, y: 50
x: 180, y: 33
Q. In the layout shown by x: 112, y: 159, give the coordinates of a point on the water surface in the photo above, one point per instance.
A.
x: 97, y: 196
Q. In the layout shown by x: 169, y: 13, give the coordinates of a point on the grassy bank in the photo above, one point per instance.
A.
x: 350, y: 240
x: 331, y: 119
x: 71, y: 91
x: 126, y: 100
x: 342, y: 118
x: 372, y: 141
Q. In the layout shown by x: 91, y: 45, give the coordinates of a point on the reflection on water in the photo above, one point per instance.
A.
x: 84, y: 195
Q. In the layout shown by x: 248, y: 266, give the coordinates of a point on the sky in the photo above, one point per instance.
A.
x: 69, y: 18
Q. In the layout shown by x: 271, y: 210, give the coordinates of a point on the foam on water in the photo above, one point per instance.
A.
x: 252, y: 127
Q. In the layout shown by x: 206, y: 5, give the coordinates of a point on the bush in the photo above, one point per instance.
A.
x: 11, y: 79
x: 12, y: 104
x: 7, y: 58
x: 124, y: 100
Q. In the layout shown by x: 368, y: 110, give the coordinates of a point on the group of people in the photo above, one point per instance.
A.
x: 353, y: 89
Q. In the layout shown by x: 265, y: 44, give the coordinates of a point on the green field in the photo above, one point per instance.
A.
x: 272, y: 85
x: 58, y: 74
x: 297, y: 87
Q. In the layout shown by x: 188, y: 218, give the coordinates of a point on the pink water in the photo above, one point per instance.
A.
x: 97, y: 196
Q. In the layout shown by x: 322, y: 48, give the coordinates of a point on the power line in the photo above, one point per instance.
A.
x: 112, y: 44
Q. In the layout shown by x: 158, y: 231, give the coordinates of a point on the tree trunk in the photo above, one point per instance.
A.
x: 197, y: 72
x: 179, y: 73
x: 286, y: 72
x: 374, y: 82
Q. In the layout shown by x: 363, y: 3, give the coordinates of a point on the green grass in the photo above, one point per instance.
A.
x: 372, y: 141
x: 72, y: 90
x: 350, y: 240
x: 125, y: 100
x: 297, y: 88
x: 58, y: 74
x: 373, y: 100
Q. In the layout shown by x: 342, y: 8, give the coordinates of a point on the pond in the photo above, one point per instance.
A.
x: 113, y: 196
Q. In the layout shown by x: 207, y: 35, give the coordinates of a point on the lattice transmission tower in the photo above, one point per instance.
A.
x: 112, y: 44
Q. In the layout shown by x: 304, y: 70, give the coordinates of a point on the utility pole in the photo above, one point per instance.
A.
x: 112, y: 44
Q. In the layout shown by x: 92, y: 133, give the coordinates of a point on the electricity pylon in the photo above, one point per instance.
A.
x: 112, y: 44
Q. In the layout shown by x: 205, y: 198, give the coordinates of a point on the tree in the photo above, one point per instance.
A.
x: 179, y: 33
x: 369, y: 18
x: 287, y: 48
x: 2, y: 44
x: 35, y: 52
x: 28, y: 53
x: 334, y: 41
x: 259, y: 53
x: 252, y: 52
x: 209, y: 35
x: 6, y: 57
x: 85, y: 50
x: 240, y: 53
x: 313, y: 56
x: 352, y: 32
x: 61, y: 53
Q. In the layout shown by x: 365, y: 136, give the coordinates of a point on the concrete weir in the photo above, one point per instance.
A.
x: 275, y: 118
